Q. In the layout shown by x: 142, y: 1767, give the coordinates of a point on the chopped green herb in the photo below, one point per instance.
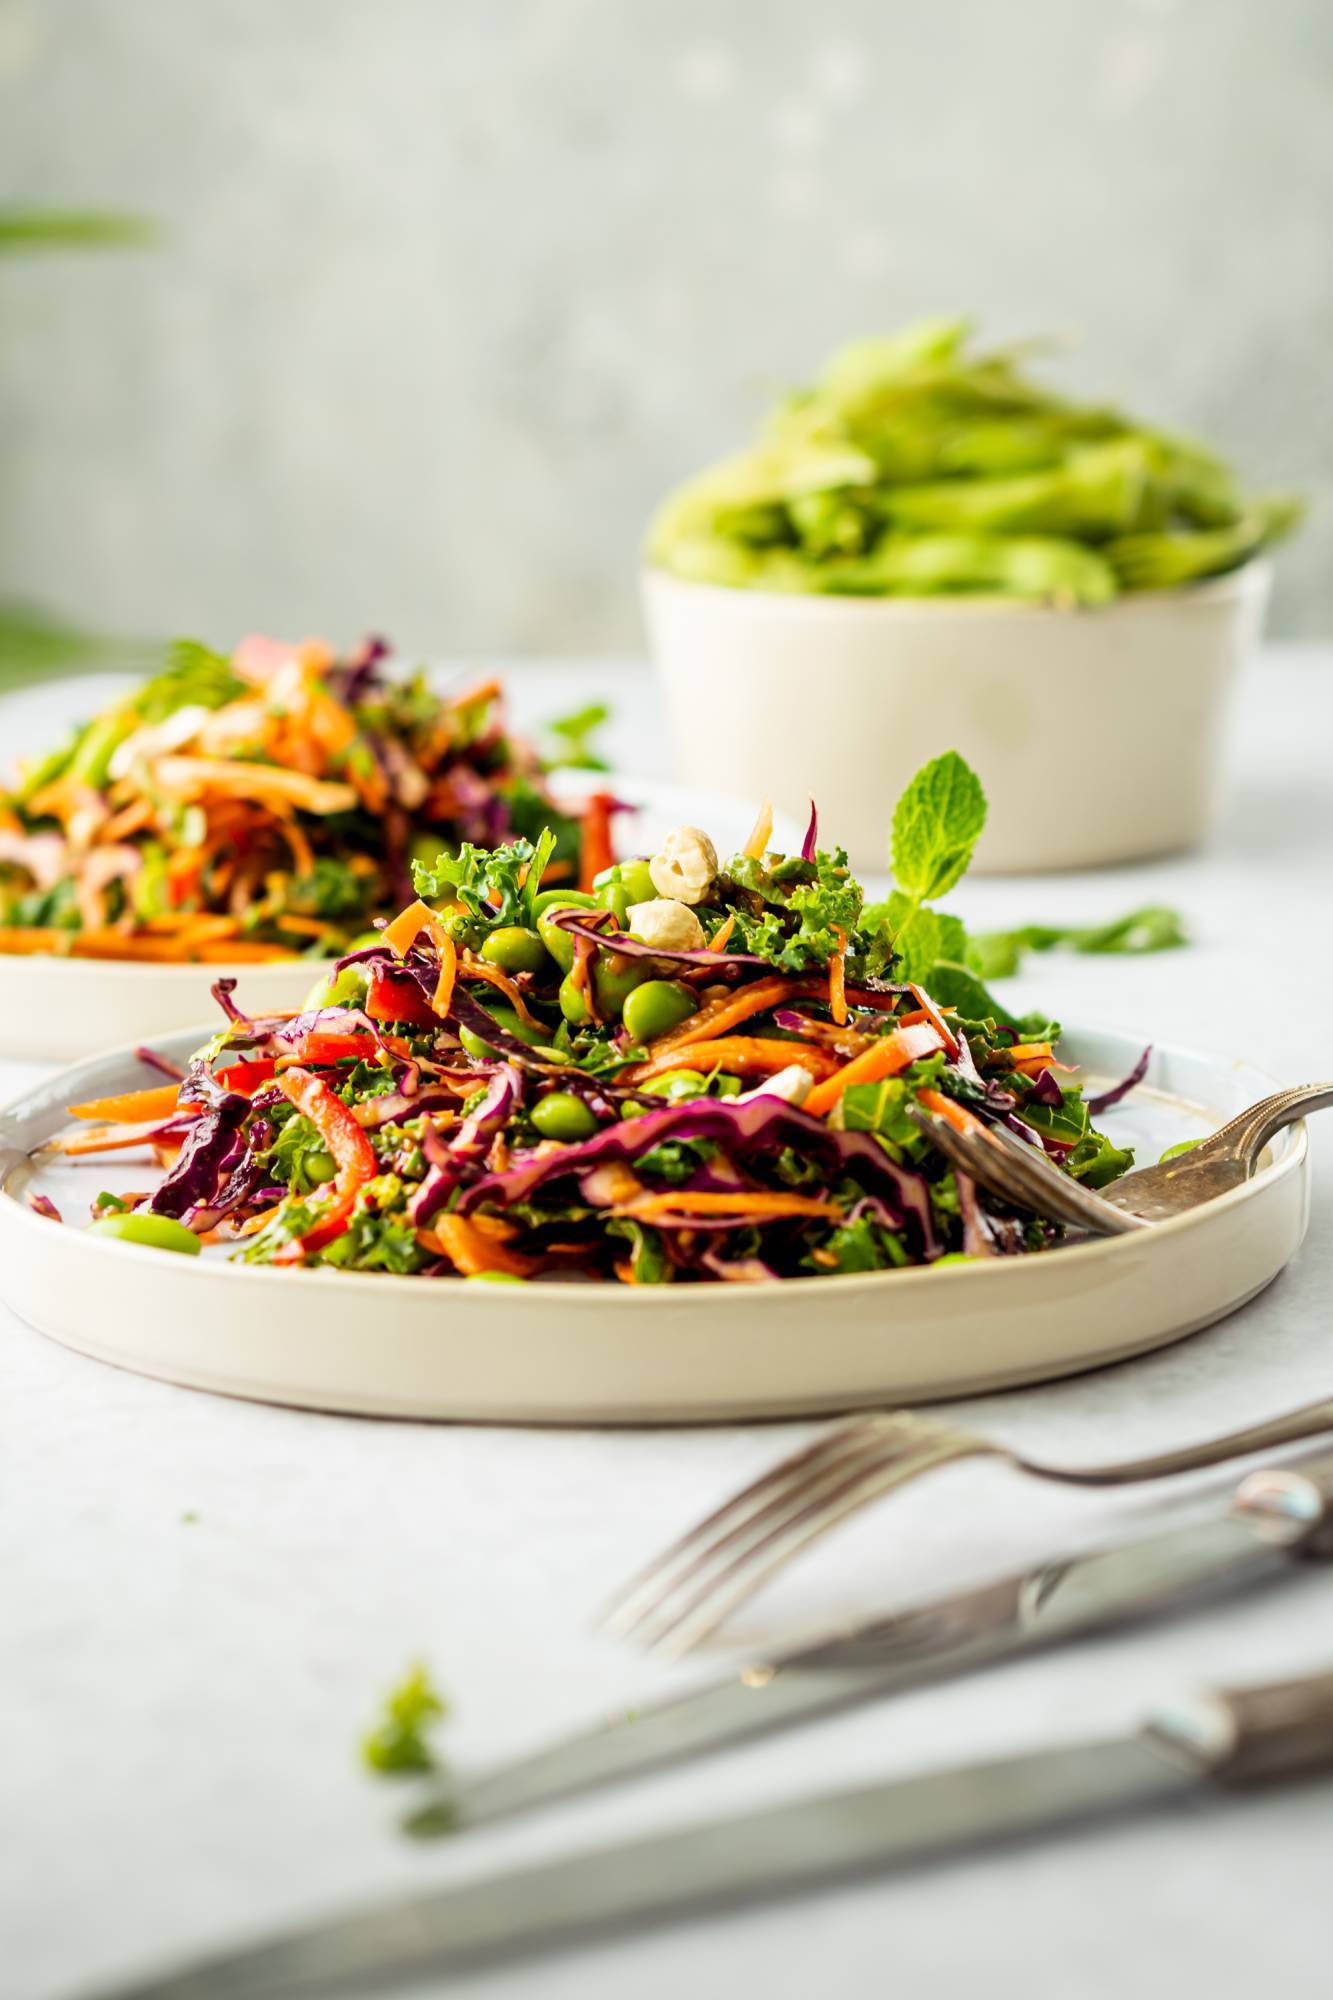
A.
x: 399, y: 1745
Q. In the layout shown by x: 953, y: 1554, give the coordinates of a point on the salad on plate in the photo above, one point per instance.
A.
x: 703, y: 1068
x: 267, y: 804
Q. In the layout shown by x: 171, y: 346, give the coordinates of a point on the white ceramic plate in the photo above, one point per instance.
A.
x: 552, y: 1353
x: 63, y: 1008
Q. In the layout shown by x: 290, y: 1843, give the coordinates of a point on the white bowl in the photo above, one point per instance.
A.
x: 1097, y: 734
x: 596, y: 1354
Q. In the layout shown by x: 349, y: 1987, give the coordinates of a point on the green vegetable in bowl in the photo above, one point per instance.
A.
x: 915, y: 467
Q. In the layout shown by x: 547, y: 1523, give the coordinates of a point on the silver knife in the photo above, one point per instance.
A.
x: 1272, y: 1517
x: 1224, y: 1738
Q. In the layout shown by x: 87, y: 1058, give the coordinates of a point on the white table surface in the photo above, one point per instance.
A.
x: 202, y: 1600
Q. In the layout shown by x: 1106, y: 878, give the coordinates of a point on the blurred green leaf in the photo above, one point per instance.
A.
x: 72, y: 229
x: 38, y: 645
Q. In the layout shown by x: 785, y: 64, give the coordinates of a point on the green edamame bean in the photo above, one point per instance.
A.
x: 347, y: 988
x: 155, y: 1232
x: 506, y: 1018
x: 614, y: 979
x: 516, y: 949
x: 634, y: 877
x: 320, y: 1168
x: 559, y: 943
x: 656, y: 1007
x: 568, y: 899
x: 563, y: 1116
x: 615, y: 897
x: 475, y: 1046
x: 573, y: 1005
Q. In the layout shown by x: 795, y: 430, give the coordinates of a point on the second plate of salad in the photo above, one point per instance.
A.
x: 254, y: 814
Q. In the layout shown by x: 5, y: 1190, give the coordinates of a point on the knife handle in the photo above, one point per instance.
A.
x: 1293, y: 1493
x: 1252, y: 1735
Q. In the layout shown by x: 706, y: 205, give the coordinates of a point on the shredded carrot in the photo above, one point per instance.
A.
x: 266, y: 783
x: 133, y: 1106
x: 487, y: 690
x: 407, y: 927
x: 314, y: 927
x: 101, y: 1139
x: 472, y: 1249
x: 1021, y: 1052
x: 481, y: 968
x: 948, y: 1109
x: 774, y: 991
x: 837, y: 974
x: 935, y: 1017
x: 132, y: 818
x: 722, y: 935
x: 719, y: 1015
x: 882, y: 1059
x: 758, y: 1206
x: 302, y: 852
x: 738, y: 1055
x: 403, y: 933
x: 241, y: 951
x: 192, y: 922
x: 444, y: 985
x: 761, y: 832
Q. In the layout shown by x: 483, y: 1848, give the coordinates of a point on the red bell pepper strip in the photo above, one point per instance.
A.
x: 247, y: 1077
x: 318, y: 1047
x: 391, y: 999
x: 352, y: 1153
x: 597, y: 849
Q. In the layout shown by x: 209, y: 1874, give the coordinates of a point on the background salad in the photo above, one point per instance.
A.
x: 266, y: 803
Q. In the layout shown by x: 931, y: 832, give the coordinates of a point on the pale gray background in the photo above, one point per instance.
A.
x: 451, y: 292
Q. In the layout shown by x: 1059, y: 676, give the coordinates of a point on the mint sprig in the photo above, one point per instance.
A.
x: 936, y: 825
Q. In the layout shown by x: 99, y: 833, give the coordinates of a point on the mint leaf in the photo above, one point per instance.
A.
x: 936, y: 824
x: 1155, y: 927
x: 918, y: 947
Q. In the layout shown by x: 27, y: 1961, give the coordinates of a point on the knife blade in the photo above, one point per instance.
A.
x: 1064, y: 1599
x: 1233, y: 1737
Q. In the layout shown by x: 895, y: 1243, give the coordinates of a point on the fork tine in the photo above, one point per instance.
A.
x: 702, y: 1613
x: 732, y: 1547
x: 1048, y: 1186
x: 769, y: 1497
x: 1017, y: 1173
x: 1008, y: 1174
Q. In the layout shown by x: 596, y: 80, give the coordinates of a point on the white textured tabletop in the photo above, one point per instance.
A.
x: 202, y: 1600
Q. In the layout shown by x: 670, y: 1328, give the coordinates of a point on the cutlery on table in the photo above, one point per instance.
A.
x: 1274, y: 1516
x: 1221, y: 1739
x: 1023, y: 1175
x: 688, y: 1590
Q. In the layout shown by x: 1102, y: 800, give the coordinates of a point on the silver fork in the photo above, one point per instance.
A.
x: 685, y: 1593
x: 1022, y: 1174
